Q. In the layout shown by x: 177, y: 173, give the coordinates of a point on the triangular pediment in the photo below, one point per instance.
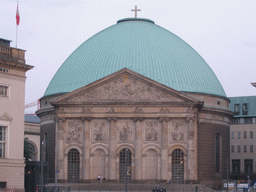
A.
x: 5, y: 117
x: 124, y: 86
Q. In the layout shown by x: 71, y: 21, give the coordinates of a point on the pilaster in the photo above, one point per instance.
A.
x: 86, y: 148
x: 112, y: 149
x: 60, y: 123
x: 138, y: 148
x: 164, y: 148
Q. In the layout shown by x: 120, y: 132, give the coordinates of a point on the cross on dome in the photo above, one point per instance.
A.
x: 136, y: 10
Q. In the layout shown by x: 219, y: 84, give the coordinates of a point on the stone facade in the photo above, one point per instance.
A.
x: 12, y: 96
x: 158, y: 125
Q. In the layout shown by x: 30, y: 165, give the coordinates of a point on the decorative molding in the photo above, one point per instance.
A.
x: 83, y: 119
x: 190, y: 109
x: 138, y: 110
x: 178, y: 131
x: 124, y: 89
x: 86, y: 109
x: 166, y: 119
x: 112, y: 119
x: 6, y: 117
x: 164, y: 110
x: 100, y: 131
x: 125, y: 130
x: 138, y: 119
x: 61, y: 109
x: 74, y: 131
x: 111, y: 110
x: 151, y: 130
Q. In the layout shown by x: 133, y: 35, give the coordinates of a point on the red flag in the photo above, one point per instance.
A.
x: 17, y: 16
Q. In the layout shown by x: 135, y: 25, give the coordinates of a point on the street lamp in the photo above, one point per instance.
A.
x: 42, y: 167
x: 126, y: 166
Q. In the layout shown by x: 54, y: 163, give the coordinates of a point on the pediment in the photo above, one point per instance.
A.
x: 5, y: 117
x: 124, y: 86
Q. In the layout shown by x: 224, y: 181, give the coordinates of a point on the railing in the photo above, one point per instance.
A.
x: 55, y: 188
x: 12, y: 54
x: 5, y: 51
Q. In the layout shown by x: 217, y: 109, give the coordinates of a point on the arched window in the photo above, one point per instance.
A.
x: 125, y: 157
x: 33, y: 151
x: 73, y: 166
x: 217, y: 153
x: 45, y: 146
x: 177, y: 166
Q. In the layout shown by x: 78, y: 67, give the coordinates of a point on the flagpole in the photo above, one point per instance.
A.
x: 16, y: 35
x: 17, y: 22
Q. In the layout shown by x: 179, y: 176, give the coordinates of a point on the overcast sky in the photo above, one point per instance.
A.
x: 223, y: 32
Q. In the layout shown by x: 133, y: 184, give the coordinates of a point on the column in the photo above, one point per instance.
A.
x: 164, y: 148
x: 86, y: 149
x: 138, y: 149
x: 192, y: 151
x: 112, y: 150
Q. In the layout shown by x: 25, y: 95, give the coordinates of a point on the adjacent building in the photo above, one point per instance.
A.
x: 32, y: 135
x: 242, y: 138
x: 136, y: 92
x: 12, y: 97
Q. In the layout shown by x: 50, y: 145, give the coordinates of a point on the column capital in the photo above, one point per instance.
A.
x: 138, y: 119
x: 166, y: 119
x: 59, y: 119
x: 109, y: 119
x: 83, y: 119
x: 190, y: 119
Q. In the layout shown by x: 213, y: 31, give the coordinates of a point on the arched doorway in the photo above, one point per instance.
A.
x: 73, y: 166
x: 177, y: 166
x: 98, y: 163
x: 125, y: 155
x: 151, y: 164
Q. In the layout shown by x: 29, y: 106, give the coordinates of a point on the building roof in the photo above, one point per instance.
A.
x: 32, y: 119
x: 251, y: 105
x: 141, y: 46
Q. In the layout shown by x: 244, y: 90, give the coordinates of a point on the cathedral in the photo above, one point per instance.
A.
x: 135, y: 95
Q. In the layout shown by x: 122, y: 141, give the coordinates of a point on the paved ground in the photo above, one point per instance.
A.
x: 109, y: 187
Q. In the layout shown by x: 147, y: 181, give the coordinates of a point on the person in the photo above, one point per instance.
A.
x: 102, y: 179
x: 98, y: 178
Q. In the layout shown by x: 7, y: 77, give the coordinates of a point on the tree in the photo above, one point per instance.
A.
x: 28, y: 150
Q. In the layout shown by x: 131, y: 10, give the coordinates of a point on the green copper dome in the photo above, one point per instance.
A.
x: 142, y: 46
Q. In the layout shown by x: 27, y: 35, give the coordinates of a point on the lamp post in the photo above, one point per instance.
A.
x: 42, y: 167
x: 227, y: 174
x: 248, y: 177
x: 126, y: 168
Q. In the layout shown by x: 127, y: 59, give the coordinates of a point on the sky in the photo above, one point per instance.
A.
x: 223, y: 32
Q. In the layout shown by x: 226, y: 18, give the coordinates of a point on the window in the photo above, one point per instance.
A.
x: 247, y: 120
x: 232, y: 135
x: 251, y: 148
x: 251, y: 134
x: 238, y: 135
x: 245, y: 135
x: 245, y: 108
x: 45, y: 156
x: 245, y: 148
x: 238, y: 148
x: 2, y: 185
x: 3, y: 91
x: 2, y: 141
x: 235, y: 166
x: 236, y: 121
x: 217, y: 157
x: 4, y: 70
x: 236, y: 109
x: 248, y: 165
x: 232, y: 149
